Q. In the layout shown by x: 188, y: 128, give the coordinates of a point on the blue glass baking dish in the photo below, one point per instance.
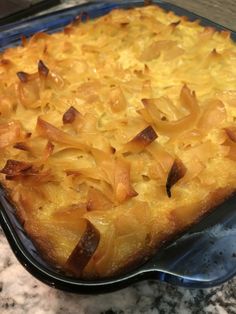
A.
x: 204, y: 256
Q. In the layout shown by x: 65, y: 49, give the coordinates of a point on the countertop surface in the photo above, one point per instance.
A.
x: 20, y: 293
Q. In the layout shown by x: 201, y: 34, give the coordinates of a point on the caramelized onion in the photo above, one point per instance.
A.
x: 54, y: 134
x: 141, y: 140
x: 188, y: 100
x: 89, y: 173
x: 161, y: 156
x: 168, y: 47
x: 42, y: 69
x: 231, y: 142
x: 70, y: 115
x: 96, y: 200
x: 5, y: 62
x: 23, y: 76
x: 10, y: 133
x: 22, y: 146
x: 48, y: 150
x: 122, y: 185
x: 28, y: 89
x: 25, y: 171
x: 106, y: 252
x: 69, y: 217
x: 15, y: 167
x: 84, y: 250
x: 213, y: 116
x: 177, y: 172
x: 231, y: 133
x: 106, y: 162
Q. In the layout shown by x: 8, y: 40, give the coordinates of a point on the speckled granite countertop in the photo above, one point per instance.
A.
x: 20, y: 293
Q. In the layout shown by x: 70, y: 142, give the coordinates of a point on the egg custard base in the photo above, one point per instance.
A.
x: 117, y: 134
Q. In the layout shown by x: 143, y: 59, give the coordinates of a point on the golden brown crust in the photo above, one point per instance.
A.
x: 217, y: 198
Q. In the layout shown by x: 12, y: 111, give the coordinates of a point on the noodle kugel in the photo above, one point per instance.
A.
x: 117, y: 134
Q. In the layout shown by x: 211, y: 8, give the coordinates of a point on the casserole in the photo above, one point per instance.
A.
x: 138, y: 273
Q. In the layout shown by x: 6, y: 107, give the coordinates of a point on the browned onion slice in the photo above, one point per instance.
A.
x: 15, y: 167
x: 10, y: 133
x: 84, y: 250
x: 22, y: 146
x: 122, y: 183
x: 5, y: 62
x: 70, y: 115
x: 141, y: 140
x: 23, y: 76
x: 27, y: 172
x: 177, y: 172
x: 188, y: 101
x: 96, y: 200
x: 231, y: 142
x: 54, y: 134
x: 42, y: 69
x: 231, y: 132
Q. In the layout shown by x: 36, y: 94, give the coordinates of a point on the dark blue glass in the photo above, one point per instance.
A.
x: 204, y: 256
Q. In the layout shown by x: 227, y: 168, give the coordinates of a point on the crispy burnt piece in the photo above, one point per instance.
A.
x: 21, y: 146
x: 141, y: 140
x: 19, y: 170
x: 23, y: 76
x: 54, y: 134
x: 231, y: 133
x: 42, y: 69
x: 70, y: 115
x: 84, y: 250
x: 176, y: 172
x: 231, y: 142
x: 15, y: 167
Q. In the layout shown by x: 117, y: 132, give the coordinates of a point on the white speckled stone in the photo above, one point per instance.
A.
x: 21, y: 293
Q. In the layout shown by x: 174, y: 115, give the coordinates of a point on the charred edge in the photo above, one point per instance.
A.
x: 146, y: 136
x: 15, y: 167
x: 231, y: 133
x: 72, y: 173
x: 84, y: 250
x: 175, y: 24
x: 28, y: 135
x: 132, y: 192
x: 23, y: 76
x: 5, y: 62
x: 113, y: 150
x: 42, y: 69
x: 21, y: 146
x: 177, y: 172
x: 49, y: 148
x: 70, y: 115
